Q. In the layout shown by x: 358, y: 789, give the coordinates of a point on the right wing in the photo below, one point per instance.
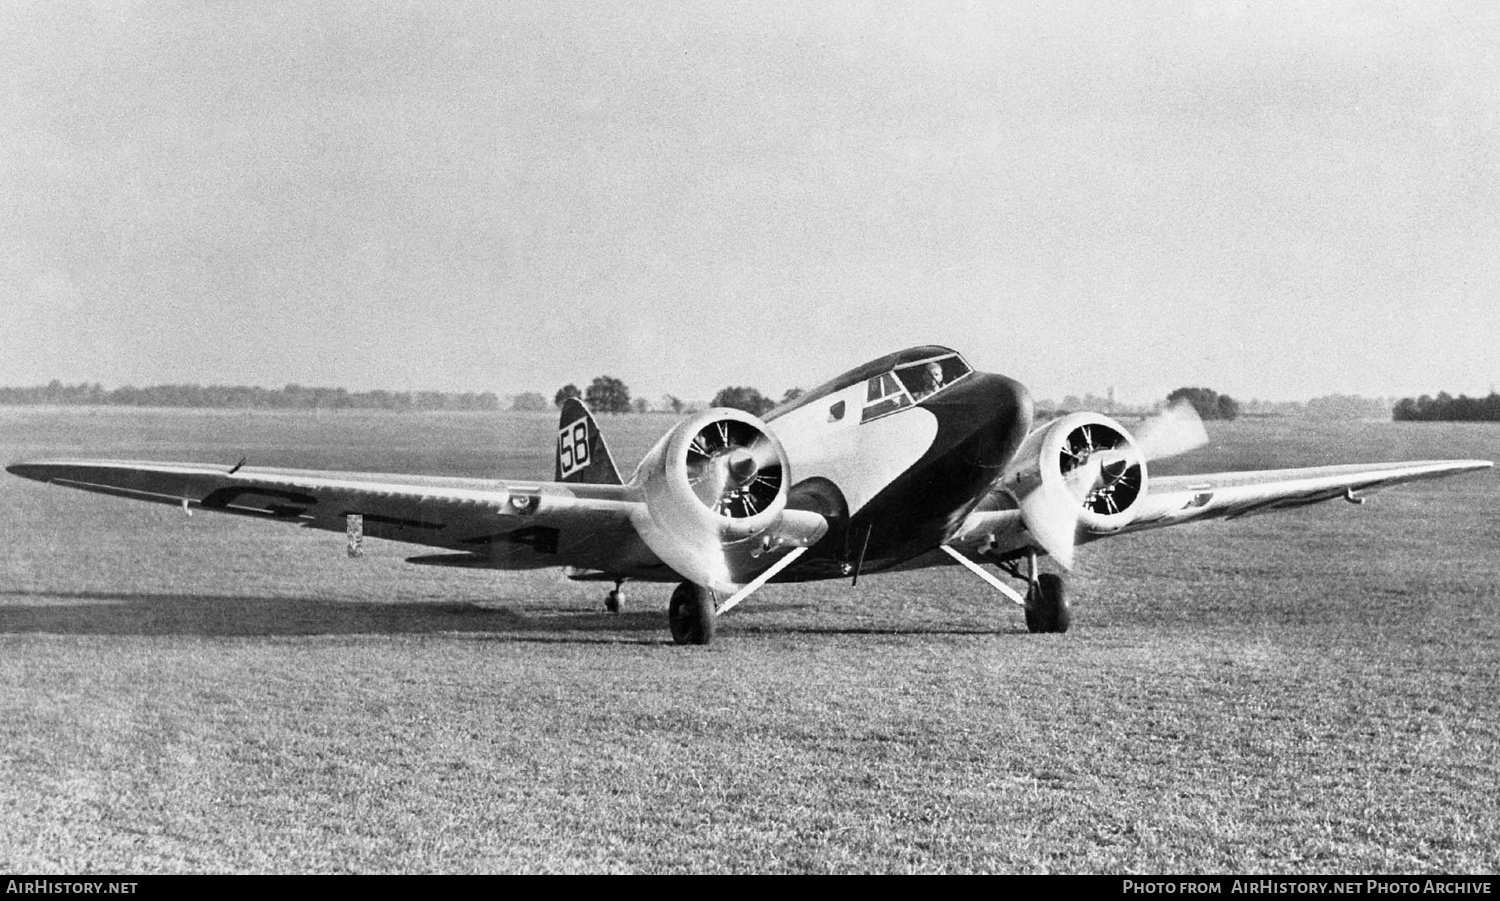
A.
x: 501, y: 524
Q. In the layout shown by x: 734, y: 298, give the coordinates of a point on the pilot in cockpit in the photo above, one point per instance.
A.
x: 932, y: 379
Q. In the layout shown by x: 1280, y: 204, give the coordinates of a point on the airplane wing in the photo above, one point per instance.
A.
x: 1230, y: 495
x: 1173, y: 500
x: 676, y: 522
x: 500, y: 524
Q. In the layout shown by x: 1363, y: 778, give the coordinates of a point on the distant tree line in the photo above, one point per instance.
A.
x: 292, y: 397
x: 1447, y: 408
x: 1210, y: 404
x: 751, y: 400
x: 1327, y: 407
x: 528, y: 402
x: 740, y: 398
x: 1347, y: 406
x: 607, y: 394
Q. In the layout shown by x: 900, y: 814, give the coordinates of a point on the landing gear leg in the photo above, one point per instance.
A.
x: 1033, y: 590
x: 614, y: 601
x: 1047, y: 607
x: 1046, y: 600
x: 691, y: 614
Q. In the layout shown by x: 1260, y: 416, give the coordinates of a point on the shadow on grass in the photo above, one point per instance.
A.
x: 126, y: 613
x: 876, y: 630
x: 131, y: 613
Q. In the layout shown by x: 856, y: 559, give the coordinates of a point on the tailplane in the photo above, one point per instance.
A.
x: 582, y: 456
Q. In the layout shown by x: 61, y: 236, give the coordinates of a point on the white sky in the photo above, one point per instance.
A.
x: 1272, y: 199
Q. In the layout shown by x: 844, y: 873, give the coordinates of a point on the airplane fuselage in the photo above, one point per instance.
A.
x: 896, y: 467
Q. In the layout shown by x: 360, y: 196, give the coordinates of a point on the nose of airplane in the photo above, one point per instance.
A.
x: 1005, y: 410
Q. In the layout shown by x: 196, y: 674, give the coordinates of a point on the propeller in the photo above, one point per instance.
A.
x: 1175, y: 430
x: 1103, y: 474
x: 716, y: 483
x: 733, y: 469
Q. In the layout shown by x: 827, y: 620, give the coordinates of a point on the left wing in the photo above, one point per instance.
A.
x: 504, y: 524
x: 1171, y: 500
x: 1230, y: 495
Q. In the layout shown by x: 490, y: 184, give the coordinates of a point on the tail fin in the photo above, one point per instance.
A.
x: 582, y: 456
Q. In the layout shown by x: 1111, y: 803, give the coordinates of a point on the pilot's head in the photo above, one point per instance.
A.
x: 935, y: 375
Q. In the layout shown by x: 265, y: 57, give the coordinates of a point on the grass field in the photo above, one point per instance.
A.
x: 1311, y: 691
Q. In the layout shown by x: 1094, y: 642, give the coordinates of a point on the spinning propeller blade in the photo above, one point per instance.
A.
x: 1053, y: 525
x: 1175, y: 430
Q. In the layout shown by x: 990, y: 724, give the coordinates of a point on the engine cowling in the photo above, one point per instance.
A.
x: 1083, y: 473
x: 714, y: 486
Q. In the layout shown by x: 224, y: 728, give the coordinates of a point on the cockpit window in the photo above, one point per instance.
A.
x: 892, y: 391
x: 931, y: 376
x: 885, y: 396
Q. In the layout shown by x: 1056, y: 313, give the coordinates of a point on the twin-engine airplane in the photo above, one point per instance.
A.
x: 911, y: 460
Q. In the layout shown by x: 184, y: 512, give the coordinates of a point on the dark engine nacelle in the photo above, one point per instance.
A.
x: 1086, y: 462
x: 712, y: 486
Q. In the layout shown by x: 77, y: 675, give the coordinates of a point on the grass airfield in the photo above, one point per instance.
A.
x: 1316, y: 690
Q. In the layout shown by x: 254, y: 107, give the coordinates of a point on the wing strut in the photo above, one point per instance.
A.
x: 761, y: 579
x: 987, y: 576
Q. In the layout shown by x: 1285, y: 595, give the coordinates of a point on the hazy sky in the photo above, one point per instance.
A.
x: 1273, y: 199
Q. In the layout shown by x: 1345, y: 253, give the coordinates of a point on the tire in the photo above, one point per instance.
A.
x: 1047, y: 607
x: 691, y: 614
x: 1054, y: 613
x: 614, y: 602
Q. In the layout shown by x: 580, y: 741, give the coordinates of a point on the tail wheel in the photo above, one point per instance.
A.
x: 691, y: 614
x: 1047, y: 607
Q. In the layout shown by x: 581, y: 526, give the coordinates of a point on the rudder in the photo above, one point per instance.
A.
x: 582, y: 455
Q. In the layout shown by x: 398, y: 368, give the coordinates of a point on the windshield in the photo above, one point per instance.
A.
x: 931, y: 376
x: 912, y: 383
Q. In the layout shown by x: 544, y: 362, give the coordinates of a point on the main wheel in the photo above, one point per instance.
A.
x: 614, y: 602
x: 1047, y: 607
x: 691, y: 614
